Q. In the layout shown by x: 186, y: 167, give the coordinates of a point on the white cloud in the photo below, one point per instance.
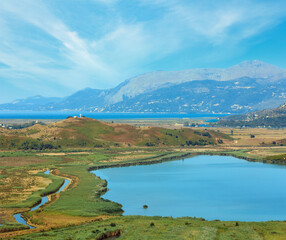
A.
x: 107, y: 2
x: 58, y: 57
x: 80, y: 61
x: 220, y: 21
x: 37, y: 14
x: 89, y: 62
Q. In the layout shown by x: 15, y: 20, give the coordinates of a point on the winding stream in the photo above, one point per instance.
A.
x: 44, y: 200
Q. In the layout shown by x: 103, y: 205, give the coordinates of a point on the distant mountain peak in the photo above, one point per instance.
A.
x: 257, y: 63
x: 256, y: 69
x: 257, y: 84
x: 37, y: 97
x: 154, y: 80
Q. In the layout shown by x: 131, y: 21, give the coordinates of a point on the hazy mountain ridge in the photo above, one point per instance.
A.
x: 155, y: 80
x: 239, y: 95
x: 31, y: 103
x: 267, y: 113
x: 275, y: 118
x: 248, y: 86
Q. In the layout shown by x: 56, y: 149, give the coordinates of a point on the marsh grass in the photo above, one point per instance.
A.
x: 84, y: 199
x: 10, y: 227
x: 36, y: 196
x: 139, y: 227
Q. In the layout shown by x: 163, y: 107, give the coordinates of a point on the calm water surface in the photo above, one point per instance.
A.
x: 212, y: 187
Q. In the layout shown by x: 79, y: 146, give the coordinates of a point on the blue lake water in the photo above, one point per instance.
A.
x: 212, y: 187
x: 65, y: 114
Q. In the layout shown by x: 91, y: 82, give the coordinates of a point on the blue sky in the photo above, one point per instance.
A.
x: 56, y: 47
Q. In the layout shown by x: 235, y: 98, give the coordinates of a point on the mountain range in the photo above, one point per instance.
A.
x: 275, y: 118
x: 248, y: 86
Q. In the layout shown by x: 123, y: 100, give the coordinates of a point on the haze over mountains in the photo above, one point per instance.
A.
x: 275, y: 118
x: 248, y: 86
x: 267, y: 113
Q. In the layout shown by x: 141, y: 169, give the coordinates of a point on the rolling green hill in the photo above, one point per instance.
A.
x: 87, y: 132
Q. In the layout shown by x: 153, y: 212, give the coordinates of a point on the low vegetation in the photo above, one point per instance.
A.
x: 269, y: 118
x: 88, y: 133
x: 267, y: 122
x: 139, y: 227
x: 80, y: 212
x: 276, y: 159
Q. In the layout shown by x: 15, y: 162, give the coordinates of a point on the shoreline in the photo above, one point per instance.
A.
x: 170, y: 156
x: 174, y: 158
x: 179, y: 157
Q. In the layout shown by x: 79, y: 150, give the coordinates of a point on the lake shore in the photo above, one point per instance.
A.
x: 81, y: 206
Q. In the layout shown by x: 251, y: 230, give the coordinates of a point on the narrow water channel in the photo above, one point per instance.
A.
x: 44, y: 200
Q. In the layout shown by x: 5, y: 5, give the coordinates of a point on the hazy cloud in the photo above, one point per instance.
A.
x: 40, y: 46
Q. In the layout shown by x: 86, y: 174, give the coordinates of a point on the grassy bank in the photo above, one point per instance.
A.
x: 82, y: 201
x: 36, y: 196
x: 140, y: 227
x: 88, y: 144
x: 85, y: 198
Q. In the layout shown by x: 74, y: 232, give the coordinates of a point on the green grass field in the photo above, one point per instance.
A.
x: 79, y: 212
x: 159, y: 228
x: 84, y: 201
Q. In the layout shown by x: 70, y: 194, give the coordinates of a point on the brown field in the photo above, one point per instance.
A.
x: 128, y: 156
x: 164, y: 123
x: 52, y: 221
x: 264, y: 152
x: 19, y: 185
x: 6, y: 214
x: 20, y: 161
x: 242, y: 136
x: 61, y: 153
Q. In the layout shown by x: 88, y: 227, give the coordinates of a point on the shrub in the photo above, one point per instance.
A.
x: 206, y: 134
x: 148, y: 144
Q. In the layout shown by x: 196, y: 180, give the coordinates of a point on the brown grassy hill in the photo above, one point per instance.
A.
x: 87, y: 132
